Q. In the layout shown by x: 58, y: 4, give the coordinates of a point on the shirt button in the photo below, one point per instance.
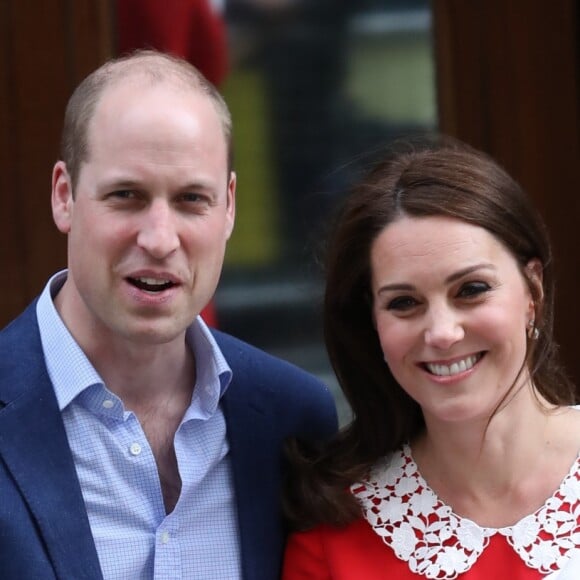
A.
x: 108, y: 404
x: 135, y: 449
x: 165, y: 537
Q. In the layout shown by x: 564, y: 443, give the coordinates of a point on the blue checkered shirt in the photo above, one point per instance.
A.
x: 134, y: 537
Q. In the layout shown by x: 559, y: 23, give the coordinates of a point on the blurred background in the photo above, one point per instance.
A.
x: 317, y: 88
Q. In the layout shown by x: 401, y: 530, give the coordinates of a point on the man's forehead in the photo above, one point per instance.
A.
x: 137, y: 79
x: 136, y: 93
x: 134, y: 105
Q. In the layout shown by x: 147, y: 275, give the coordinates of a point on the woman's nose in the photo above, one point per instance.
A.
x: 444, y: 328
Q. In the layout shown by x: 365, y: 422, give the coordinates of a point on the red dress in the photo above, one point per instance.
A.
x: 407, y: 532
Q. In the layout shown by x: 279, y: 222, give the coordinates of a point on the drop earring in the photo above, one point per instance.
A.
x: 533, y: 333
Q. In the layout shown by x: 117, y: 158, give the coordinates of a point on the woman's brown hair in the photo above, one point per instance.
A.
x: 439, y: 177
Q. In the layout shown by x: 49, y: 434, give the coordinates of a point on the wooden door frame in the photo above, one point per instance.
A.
x: 48, y: 46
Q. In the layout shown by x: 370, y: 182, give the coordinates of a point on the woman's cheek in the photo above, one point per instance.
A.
x: 396, y: 337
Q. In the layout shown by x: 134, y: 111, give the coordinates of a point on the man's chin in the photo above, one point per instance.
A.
x: 153, y: 333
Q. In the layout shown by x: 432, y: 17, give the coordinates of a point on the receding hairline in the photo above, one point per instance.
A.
x: 155, y: 68
x: 148, y: 67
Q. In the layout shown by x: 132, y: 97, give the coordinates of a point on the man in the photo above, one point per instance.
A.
x: 194, y: 30
x: 135, y: 442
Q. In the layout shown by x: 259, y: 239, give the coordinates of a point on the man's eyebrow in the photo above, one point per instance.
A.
x: 122, y: 184
x: 129, y: 183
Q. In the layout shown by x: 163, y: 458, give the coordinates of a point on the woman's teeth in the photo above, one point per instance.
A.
x: 453, y: 369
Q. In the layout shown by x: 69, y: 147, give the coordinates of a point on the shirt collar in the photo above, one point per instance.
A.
x: 71, y: 372
x: 213, y: 374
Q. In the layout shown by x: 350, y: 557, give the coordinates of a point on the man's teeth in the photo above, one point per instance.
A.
x: 151, y: 284
x: 453, y: 369
x: 152, y: 281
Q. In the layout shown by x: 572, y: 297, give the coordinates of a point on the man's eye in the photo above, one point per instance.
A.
x: 192, y: 197
x: 123, y: 194
x: 473, y: 289
x: 196, y: 203
x: 402, y: 303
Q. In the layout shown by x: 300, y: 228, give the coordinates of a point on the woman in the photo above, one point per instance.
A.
x: 462, y: 457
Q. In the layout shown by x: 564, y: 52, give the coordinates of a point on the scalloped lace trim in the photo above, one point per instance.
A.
x: 436, y: 543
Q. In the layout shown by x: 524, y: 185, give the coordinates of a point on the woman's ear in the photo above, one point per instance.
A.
x: 62, y: 197
x: 534, y: 272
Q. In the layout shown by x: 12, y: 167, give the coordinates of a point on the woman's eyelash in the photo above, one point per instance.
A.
x: 473, y: 289
x: 401, y: 303
x: 468, y: 290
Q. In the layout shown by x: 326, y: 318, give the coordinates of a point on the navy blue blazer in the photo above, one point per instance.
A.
x: 44, y: 528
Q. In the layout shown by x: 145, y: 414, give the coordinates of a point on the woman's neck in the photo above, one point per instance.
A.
x: 497, y: 471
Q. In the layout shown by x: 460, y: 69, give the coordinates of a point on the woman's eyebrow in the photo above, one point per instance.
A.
x: 403, y: 286
x: 470, y: 269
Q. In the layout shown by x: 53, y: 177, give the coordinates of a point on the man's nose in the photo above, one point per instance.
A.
x: 158, y: 234
x: 443, y: 328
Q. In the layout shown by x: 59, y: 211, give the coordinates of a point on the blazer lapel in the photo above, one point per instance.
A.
x: 257, y: 466
x: 34, y: 447
x: 256, y: 471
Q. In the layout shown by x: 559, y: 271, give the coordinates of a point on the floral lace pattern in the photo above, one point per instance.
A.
x: 436, y: 543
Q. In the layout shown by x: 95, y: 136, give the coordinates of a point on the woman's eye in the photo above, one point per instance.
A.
x: 472, y: 289
x: 402, y: 303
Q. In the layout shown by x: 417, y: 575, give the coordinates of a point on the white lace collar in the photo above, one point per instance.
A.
x: 436, y: 543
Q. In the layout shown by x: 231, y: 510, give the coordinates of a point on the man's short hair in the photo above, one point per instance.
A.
x: 151, y: 65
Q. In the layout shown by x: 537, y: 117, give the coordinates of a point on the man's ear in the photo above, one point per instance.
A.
x: 62, y: 197
x: 231, y: 204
